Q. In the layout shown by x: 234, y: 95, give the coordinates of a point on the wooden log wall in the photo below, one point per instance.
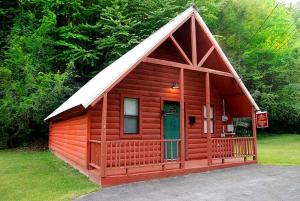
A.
x: 152, y: 83
x: 68, y: 138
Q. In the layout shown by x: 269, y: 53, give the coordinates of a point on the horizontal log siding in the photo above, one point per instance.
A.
x: 151, y: 83
x: 195, y: 100
x: 69, y: 139
x: 96, y: 120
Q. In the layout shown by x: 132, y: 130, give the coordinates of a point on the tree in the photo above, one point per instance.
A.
x: 50, y: 48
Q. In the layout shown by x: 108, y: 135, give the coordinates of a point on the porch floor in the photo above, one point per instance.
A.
x: 135, y: 174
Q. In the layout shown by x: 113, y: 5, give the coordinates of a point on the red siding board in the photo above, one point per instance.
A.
x: 68, y: 138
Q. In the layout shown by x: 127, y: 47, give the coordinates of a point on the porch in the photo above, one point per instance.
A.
x: 136, y: 160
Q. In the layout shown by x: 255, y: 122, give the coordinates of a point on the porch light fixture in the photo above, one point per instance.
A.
x: 175, y: 85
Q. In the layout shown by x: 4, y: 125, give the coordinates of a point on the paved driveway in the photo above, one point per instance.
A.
x: 252, y: 182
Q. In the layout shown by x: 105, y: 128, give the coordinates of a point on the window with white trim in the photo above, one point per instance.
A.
x: 211, y: 119
x: 131, y: 116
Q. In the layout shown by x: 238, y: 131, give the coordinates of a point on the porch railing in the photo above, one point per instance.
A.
x: 236, y: 147
x: 135, y: 153
x: 95, y: 153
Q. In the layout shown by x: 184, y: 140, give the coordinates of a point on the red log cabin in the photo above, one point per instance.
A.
x: 164, y: 108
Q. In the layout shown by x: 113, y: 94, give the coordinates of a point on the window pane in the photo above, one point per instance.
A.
x: 131, y: 106
x: 131, y: 124
x: 211, y: 126
x: 211, y: 112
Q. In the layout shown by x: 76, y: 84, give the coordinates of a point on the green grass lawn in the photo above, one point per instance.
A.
x: 279, y: 149
x: 39, y: 176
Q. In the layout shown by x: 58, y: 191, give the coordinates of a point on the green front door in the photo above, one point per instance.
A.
x: 171, y: 130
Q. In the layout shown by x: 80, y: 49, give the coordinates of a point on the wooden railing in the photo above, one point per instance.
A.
x: 133, y: 153
x: 236, y: 147
x: 95, y: 154
x: 137, y: 153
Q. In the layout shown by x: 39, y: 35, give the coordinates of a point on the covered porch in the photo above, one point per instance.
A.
x: 136, y: 160
x: 116, y: 161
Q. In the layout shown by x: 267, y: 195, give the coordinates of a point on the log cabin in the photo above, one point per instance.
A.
x: 164, y: 108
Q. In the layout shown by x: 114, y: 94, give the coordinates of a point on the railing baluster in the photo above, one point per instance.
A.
x: 153, y: 156
x: 165, y: 150
x: 130, y: 153
x: 246, y: 147
x: 134, y: 156
x: 110, y: 154
x: 171, y: 150
x: 144, y: 154
x: 156, y: 152
x: 237, y: 148
x: 120, y: 151
x: 149, y: 152
x: 241, y: 147
x: 222, y: 147
x: 139, y: 155
x: 239, y: 140
x: 125, y: 153
x: 177, y: 149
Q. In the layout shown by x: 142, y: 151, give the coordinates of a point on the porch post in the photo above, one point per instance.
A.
x: 207, y: 103
x: 103, y: 136
x: 254, y: 134
x: 182, y: 141
x: 88, y: 138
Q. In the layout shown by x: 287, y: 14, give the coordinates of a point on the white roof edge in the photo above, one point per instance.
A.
x: 220, y: 51
x: 95, y: 87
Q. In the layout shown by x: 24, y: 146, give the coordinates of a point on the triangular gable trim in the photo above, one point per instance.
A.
x: 228, y: 64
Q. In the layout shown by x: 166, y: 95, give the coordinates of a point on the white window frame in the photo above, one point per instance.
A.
x: 135, y: 115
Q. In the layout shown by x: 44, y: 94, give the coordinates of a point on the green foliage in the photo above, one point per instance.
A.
x: 49, y: 48
x: 266, y: 55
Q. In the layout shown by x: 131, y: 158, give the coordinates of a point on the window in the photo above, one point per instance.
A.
x: 211, y: 119
x: 131, y: 116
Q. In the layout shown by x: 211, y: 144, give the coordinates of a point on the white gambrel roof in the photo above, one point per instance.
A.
x: 94, y: 88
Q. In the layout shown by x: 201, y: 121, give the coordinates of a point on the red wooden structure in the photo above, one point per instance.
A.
x: 164, y: 108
